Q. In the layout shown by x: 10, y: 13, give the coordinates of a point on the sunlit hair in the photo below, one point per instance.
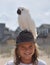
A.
x: 34, y: 57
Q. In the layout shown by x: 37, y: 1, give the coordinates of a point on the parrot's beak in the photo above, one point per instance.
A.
x: 19, y: 12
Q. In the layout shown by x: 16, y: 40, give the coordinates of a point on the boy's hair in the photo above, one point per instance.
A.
x: 25, y: 36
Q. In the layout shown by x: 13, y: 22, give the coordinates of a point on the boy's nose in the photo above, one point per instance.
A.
x: 26, y: 49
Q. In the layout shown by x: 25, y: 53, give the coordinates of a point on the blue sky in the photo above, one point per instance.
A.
x: 39, y: 11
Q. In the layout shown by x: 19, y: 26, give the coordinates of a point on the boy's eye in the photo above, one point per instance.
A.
x: 22, y: 47
x: 30, y: 47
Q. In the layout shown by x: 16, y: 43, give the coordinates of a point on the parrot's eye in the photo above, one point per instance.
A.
x: 22, y: 9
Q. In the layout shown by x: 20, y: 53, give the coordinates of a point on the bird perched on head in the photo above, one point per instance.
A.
x: 25, y: 21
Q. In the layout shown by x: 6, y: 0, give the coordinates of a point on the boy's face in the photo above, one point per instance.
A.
x: 26, y: 50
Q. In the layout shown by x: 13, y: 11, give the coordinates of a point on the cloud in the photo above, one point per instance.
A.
x: 47, y: 13
x: 4, y: 18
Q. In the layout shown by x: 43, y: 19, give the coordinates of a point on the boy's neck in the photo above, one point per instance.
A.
x: 26, y: 61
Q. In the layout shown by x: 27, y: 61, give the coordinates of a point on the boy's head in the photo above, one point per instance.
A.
x: 26, y: 45
x: 25, y: 50
x: 25, y: 36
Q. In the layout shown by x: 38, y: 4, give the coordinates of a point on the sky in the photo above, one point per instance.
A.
x: 39, y: 11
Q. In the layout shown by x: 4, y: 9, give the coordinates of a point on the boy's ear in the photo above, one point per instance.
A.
x: 18, y: 52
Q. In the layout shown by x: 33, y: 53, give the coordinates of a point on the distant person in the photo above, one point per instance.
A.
x: 26, y: 52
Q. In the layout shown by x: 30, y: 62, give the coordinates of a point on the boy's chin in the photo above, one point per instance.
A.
x: 27, y: 57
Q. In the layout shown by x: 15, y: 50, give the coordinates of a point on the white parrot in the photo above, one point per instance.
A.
x: 25, y: 21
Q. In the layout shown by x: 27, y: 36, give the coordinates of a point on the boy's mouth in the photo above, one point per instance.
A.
x: 27, y: 53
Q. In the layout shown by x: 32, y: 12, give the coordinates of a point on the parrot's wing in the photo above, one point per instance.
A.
x: 33, y: 28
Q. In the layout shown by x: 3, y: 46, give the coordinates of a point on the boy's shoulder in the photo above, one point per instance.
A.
x: 41, y: 62
x: 11, y: 62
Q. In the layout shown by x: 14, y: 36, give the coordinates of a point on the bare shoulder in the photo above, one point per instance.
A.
x: 11, y: 62
x: 41, y: 62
